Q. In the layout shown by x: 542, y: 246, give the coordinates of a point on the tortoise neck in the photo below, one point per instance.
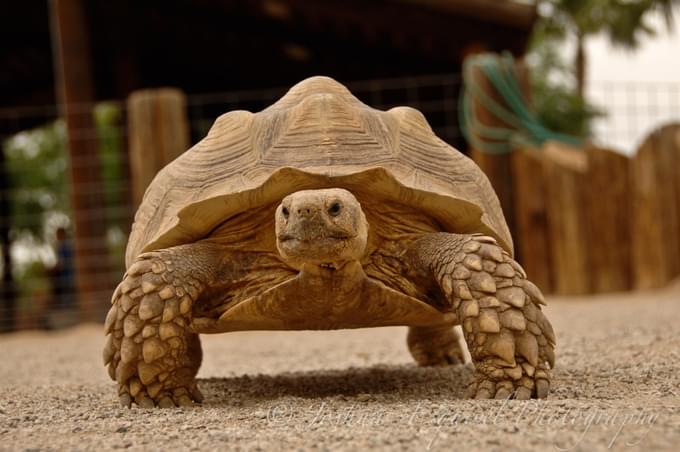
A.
x: 347, y: 271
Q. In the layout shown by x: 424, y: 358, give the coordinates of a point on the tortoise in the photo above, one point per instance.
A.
x: 320, y: 212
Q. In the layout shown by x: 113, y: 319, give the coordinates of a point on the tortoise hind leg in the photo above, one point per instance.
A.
x: 149, y: 351
x: 435, y: 346
x: 510, y: 340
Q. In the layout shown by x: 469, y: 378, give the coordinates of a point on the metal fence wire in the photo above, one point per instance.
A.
x: 632, y: 110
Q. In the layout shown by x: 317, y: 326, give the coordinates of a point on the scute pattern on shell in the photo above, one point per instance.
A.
x: 318, y: 135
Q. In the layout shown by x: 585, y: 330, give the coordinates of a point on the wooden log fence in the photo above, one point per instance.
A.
x: 530, y: 206
x: 593, y: 220
x: 608, y: 213
x: 565, y: 173
x: 586, y: 219
x: 655, y: 208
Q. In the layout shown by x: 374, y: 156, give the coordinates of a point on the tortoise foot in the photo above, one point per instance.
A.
x: 511, y: 342
x: 523, y: 382
x: 435, y: 346
x: 150, y: 352
x: 166, y: 397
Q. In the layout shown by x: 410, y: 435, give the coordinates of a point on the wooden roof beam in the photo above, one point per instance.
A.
x: 507, y: 12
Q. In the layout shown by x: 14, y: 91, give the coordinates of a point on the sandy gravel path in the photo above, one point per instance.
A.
x: 616, y: 385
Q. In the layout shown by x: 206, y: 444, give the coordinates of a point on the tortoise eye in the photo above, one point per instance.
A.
x: 285, y: 212
x: 335, y: 209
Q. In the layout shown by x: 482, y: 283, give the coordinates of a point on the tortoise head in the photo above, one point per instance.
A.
x: 324, y: 228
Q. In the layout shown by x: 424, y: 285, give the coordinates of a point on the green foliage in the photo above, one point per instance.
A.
x: 37, y: 161
x: 36, y: 169
x: 107, y: 117
x: 38, y: 181
x: 561, y: 110
x: 625, y: 22
x: 555, y: 84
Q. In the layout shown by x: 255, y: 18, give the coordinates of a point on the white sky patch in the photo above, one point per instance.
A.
x: 640, y: 90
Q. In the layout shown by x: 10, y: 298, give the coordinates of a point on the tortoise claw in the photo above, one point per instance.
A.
x: 146, y: 402
x: 166, y: 402
x: 542, y: 388
x: 522, y: 393
x: 125, y: 400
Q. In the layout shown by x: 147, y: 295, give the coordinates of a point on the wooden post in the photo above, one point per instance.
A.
x: 76, y: 96
x: 158, y: 133
x: 565, y: 176
x: 655, y: 209
x: 497, y: 167
x: 608, y: 220
x: 531, y: 216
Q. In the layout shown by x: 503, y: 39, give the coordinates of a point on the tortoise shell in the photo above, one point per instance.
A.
x: 318, y: 135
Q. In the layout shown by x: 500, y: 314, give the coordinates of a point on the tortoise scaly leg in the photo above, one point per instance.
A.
x: 510, y: 340
x: 149, y: 351
x: 435, y: 346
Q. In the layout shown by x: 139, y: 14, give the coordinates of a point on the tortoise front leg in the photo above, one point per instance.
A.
x: 510, y: 340
x: 149, y: 351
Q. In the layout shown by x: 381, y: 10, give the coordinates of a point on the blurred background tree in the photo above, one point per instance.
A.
x: 36, y: 177
x: 36, y: 164
x: 558, y: 83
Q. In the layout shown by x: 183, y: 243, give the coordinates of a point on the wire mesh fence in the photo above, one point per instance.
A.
x: 633, y: 110
x: 38, y: 285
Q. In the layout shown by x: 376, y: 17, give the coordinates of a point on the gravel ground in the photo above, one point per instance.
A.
x: 615, y: 386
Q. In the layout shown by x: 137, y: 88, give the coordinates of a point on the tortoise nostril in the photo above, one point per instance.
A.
x: 304, y: 212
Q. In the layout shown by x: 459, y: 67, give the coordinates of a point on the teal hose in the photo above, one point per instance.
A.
x: 523, y: 127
